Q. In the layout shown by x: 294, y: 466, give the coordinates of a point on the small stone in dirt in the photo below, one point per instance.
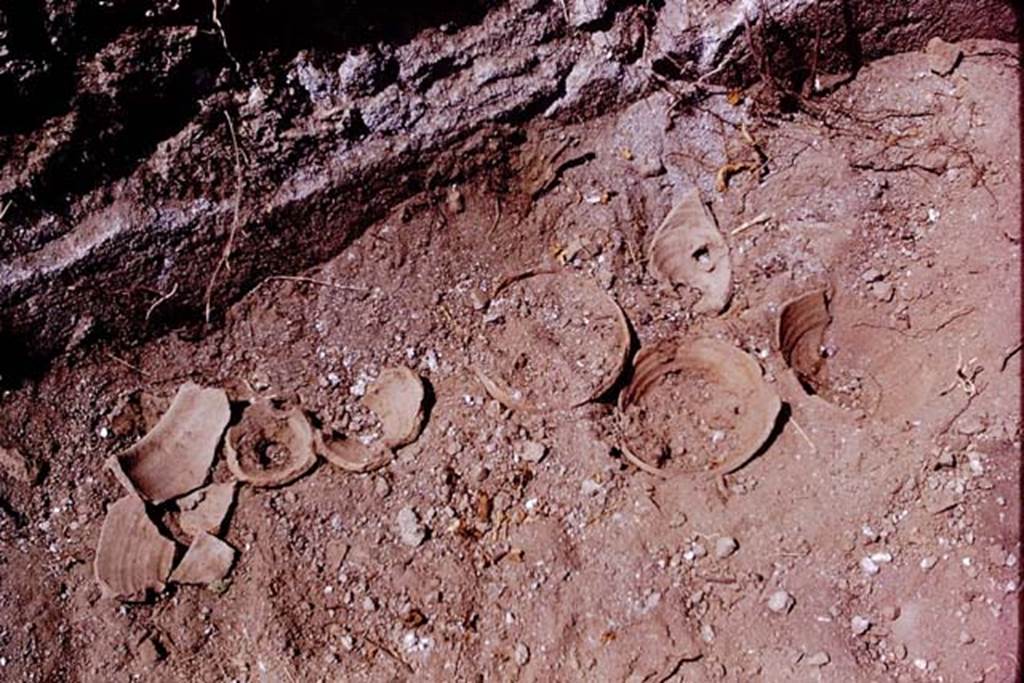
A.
x: 410, y: 531
x: 883, y: 291
x: 651, y: 167
x: 150, y: 652
x: 970, y: 425
x: 943, y: 57
x: 891, y: 613
x: 522, y: 654
x: 455, y: 201
x: 946, y: 460
x: 725, y: 546
x: 19, y: 466
x: 869, y: 566
x: 583, y: 12
x: 966, y: 638
x: 381, y: 487
x: 860, y: 625
x: 872, y: 275
x: 589, y: 487
x: 532, y: 451
x: 781, y: 602
x: 818, y: 659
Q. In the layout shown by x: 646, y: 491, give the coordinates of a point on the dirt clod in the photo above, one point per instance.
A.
x: 411, y: 531
x: 19, y: 466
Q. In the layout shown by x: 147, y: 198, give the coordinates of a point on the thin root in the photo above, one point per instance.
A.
x: 163, y: 298
x: 225, y: 254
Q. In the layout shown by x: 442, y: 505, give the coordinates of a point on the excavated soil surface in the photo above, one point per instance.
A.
x: 892, y: 523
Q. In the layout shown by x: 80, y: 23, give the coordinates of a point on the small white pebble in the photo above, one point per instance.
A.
x: 860, y: 625
x: 869, y: 566
x: 881, y: 558
x: 780, y: 602
x: 104, y: 432
x: 725, y: 546
x: 921, y: 664
x: 928, y: 562
x: 530, y: 505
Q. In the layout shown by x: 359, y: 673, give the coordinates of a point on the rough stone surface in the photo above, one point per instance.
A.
x: 118, y: 183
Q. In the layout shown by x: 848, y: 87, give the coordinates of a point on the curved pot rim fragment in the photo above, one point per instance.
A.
x: 351, y: 455
x: 174, y: 458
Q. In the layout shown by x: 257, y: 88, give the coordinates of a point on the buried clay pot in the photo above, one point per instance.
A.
x: 174, y: 458
x: 555, y: 341
x: 808, y: 338
x: 270, y: 446
x: 688, y: 250
x: 132, y: 557
x: 704, y: 405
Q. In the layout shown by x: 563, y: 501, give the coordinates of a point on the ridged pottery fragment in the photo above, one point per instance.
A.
x: 208, y: 559
x: 397, y: 399
x: 555, y: 340
x: 132, y: 557
x: 175, y: 456
x: 704, y: 404
x: 801, y: 332
x: 687, y: 249
x: 270, y: 446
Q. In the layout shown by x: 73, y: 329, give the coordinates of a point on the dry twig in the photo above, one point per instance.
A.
x: 225, y: 255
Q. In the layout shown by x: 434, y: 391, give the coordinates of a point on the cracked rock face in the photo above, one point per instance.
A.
x: 119, y: 185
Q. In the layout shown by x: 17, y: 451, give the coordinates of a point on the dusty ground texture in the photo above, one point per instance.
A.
x: 889, y: 519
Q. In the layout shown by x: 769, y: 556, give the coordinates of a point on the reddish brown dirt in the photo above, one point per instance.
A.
x: 900, y: 192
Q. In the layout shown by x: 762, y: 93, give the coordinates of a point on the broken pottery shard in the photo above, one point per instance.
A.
x: 174, y: 458
x: 687, y: 249
x: 731, y: 375
x: 208, y: 559
x: 801, y: 333
x: 270, y: 446
x: 943, y: 57
x: 204, y: 510
x: 350, y: 454
x: 132, y: 557
x: 20, y: 466
x: 397, y: 399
